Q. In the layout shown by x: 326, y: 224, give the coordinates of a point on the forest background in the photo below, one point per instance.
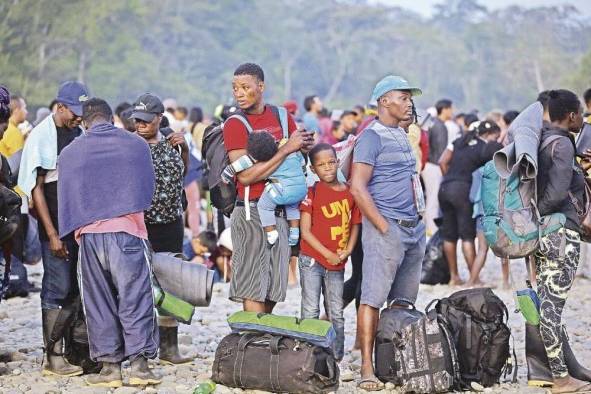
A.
x: 336, y: 49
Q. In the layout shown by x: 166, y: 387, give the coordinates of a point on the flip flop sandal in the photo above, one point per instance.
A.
x: 378, y: 385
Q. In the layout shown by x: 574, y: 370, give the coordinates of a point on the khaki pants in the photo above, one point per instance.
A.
x: 432, y: 178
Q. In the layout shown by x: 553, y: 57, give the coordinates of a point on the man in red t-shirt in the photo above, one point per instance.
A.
x: 259, y: 273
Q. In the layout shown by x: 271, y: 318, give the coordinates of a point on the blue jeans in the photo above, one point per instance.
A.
x: 59, y: 282
x: 316, y: 280
x: 392, y: 263
x: 266, y: 207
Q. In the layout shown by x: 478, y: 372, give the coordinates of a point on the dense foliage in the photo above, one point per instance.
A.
x: 335, y: 48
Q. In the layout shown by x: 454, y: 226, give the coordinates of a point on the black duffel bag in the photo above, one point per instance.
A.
x: 477, y: 321
x: 274, y: 363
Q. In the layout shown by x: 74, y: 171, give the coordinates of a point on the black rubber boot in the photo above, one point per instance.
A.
x: 54, y: 362
x: 538, y: 368
x: 575, y: 369
x: 169, y: 347
x: 140, y: 374
x: 110, y: 376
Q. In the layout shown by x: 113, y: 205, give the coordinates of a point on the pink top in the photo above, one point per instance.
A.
x: 132, y: 224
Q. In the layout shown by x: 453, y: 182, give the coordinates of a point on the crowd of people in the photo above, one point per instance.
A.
x: 101, y: 189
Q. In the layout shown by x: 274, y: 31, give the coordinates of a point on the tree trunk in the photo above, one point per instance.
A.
x: 538, y: 74
x: 287, y: 80
x: 338, y: 77
x: 82, y: 62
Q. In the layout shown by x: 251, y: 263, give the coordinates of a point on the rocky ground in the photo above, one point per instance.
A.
x: 21, y: 354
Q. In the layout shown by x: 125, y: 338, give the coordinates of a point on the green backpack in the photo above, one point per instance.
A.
x: 512, y: 224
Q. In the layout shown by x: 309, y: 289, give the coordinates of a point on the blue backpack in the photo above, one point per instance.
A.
x: 512, y: 224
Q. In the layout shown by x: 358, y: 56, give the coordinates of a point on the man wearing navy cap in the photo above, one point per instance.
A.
x: 38, y: 177
x: 386, y: 187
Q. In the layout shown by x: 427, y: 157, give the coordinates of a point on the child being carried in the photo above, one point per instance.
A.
x: 285, y: 187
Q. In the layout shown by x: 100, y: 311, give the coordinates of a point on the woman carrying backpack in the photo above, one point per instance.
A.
x: 561, y: 184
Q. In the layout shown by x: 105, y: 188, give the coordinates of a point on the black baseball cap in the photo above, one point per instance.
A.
x: 146, y: 107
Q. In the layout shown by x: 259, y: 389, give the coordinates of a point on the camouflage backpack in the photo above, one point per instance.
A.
x: 425, y: 358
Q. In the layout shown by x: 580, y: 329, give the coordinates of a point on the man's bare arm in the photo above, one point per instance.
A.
x: 262, y: 170
x: 445, y: 160
x: 55, y: 245
x: 360, y: 177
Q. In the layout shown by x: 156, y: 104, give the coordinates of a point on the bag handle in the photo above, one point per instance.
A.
x: 428, y: 307
x: 274, y: 345
x: 274, y: 363
x: 245, y: 339
x: 391, y: 304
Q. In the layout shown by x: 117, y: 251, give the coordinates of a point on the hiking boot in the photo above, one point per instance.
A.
x: 538, y: 368
x: 169, y: 347
x: 110, y: 376
x: 54, y: 363
x: 140, y: 374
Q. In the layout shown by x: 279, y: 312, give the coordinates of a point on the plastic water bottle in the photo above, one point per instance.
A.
x: 206, y: 387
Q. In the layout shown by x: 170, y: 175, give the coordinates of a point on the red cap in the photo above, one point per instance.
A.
x: 291, y: 106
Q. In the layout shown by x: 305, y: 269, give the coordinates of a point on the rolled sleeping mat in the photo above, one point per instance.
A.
x: 191, y: 282
x: 521, y: 156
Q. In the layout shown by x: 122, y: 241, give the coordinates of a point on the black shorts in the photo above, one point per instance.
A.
x: 454, y: 201
x: 167, y: 237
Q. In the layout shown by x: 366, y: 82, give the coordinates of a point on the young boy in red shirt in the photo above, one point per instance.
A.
x: 329, y: 227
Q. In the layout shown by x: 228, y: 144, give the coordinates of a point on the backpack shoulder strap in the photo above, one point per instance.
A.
x: 283, y: 121
x: 242, y: 119
x: 281, y: 115
x: 549, y: 141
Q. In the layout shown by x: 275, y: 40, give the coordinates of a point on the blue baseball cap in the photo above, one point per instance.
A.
x: 393, y: 82
x: 73, y: 94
